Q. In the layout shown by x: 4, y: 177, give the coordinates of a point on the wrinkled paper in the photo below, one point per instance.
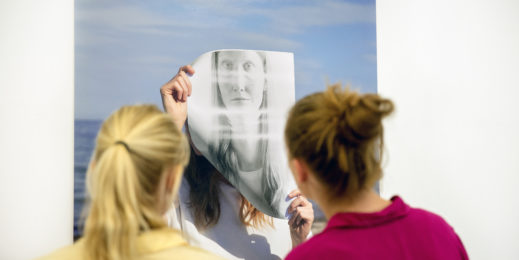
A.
x: 236, y: 116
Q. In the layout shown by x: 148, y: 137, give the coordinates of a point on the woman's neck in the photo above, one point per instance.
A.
x: 247, y: 144
x: 367, y: 201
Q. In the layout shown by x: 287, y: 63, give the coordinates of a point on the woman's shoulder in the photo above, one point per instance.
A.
x: 184, y: 252
x: 68, y: 252
x: 414, y: 215
x: 428, y: 218
x: 434, y: 226
x: 318, y: 246
x: 167, y: 243
x: 178, y: 252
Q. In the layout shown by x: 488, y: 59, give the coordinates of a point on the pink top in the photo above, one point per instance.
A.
x: 396, y: 232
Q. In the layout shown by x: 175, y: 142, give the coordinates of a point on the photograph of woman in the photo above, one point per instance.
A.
x: 236, y: 118
x: 211, y: 211
x: 239, y: 148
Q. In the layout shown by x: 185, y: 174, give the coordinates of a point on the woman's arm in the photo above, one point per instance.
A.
x: 174, y: 95
x: 302, y: 218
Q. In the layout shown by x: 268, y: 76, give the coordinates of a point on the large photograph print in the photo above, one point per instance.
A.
x: 126, y: 50
x: 236, y: 117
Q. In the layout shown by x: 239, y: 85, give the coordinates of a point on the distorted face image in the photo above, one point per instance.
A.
x: 241, y: 79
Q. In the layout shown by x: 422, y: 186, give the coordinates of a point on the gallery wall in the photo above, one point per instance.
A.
x: 36, y: 126
x: 452, y: 68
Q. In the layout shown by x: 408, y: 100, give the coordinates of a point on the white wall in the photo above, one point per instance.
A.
x: 452, y: 68
x: 36, y: 126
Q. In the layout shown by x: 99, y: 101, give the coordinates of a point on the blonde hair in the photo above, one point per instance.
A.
x: 339, y: 134
x: 134, y: 147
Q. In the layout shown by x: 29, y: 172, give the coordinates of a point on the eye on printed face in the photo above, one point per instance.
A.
x: 241, y: 79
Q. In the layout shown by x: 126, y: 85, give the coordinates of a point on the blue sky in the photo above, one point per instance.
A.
x: 126, y: 50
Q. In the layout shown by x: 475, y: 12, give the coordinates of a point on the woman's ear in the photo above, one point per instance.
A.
x: 92, y: 164
x: 300, y: 171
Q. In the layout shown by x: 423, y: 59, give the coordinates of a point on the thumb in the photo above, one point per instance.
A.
x: 188, y: 69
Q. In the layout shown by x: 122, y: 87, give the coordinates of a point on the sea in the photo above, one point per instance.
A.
x: 85, y: 132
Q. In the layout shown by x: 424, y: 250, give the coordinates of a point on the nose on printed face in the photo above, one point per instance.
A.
x: 239, y: 80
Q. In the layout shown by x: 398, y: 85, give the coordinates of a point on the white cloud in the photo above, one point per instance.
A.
x: 266, y: 41
x: 292, y: 16
x: 132, y: 18
x: 220, y: 14
x: 297, y: 18
x: 154, y: 60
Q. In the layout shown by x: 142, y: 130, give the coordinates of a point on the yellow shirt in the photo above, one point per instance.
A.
x: 165, y: 243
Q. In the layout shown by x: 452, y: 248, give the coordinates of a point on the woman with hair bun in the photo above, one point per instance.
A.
x: 335, y: 143
x: 132, y: 179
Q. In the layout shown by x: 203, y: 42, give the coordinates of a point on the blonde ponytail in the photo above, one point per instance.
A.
x: 134, y: 148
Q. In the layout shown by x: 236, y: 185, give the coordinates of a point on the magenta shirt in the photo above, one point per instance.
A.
x: 396, y: 232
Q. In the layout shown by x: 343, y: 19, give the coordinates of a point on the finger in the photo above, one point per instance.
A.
x: 301, y: 222
x: 186, y: 84
x: 177, y: 88
x: 171, y: 81
x: 187, y: 69
x: 298, y: 202
x: 294, y: 193
x: 297, y: 221
x: 297, y: 216
x: 183, y: 83
x: 291, y: 220
x: 306, y: 203
x: 303, y: 215
x: 293, y: 206
x: 307, y: 215
x: 293, y: 217
x: 167, y: 88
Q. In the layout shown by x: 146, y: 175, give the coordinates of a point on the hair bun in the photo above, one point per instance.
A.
x: 360, y: 116
x: 336, y: 133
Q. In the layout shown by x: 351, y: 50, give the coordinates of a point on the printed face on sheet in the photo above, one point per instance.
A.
x: 241, y: 79
x: 236, y: 118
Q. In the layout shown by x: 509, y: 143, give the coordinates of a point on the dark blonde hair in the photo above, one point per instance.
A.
x: 338, y: 133
x: 134, y: 148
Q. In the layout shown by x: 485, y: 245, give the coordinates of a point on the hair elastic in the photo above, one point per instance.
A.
x: 124, y: 144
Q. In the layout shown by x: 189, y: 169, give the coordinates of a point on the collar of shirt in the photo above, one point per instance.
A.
x: 160, y: 239
x: 398, y: 209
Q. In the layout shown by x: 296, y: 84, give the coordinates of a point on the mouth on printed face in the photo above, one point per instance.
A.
x: 240, y: 100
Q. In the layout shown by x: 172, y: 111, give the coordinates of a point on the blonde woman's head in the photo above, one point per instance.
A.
x: 134, y: 175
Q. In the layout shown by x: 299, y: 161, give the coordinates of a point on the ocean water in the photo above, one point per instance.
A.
x: 85, y: 132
